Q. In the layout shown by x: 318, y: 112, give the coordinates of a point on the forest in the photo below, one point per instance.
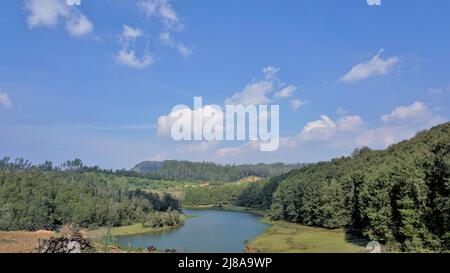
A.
x: 207, y: 171
x: 44, y: 197
x: 399, y: 196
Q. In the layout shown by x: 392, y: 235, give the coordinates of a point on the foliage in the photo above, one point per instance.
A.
x: 399, y: 196
x: 163, y: 219
x: 207, y: 171
x: 46, y: 198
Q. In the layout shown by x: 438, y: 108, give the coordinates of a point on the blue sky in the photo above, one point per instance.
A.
x: 95, y: 80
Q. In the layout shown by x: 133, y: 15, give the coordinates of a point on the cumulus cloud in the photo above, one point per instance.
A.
x: 270, y: 72
x: 129, y: 58
x: 417, y: 110
x: 73, y: 2
x: 351, y: 131
x: 286, y: 92
x: 130, y: 34
x: 211, y: 117
x: 162, y: 9
x: 321, y: 129
x: 253, y: 93
x: 79, y: 25
x: 46, y: 13
x: 5, y: 101
x: 325, y: 128
x: 296, y: 104
x: 350, y: 123
x: 375, y: 66
x: 374, y: 2
x: 259, y: 92
x: 230, y: 151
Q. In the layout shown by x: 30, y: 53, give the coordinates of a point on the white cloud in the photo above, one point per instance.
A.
x: 254, y: 93
x: 79, y: 25
x: 184, y: 50
x: 258, y: 92
x: 350, y: 123
x: 296, y: 104
x: 167, y: 39
x: 223, y: 152
x: 325, y: 128
x: 130, y: 34
x: 162, y: 9
x: 321, y: 129
x: 383, y: 136
x: 375, y: 66
x: 438, y: 90
x: 417, y: 110
x: 270, y: 72
x: 5, y: 101
x: 286, y: 92
x: 46, y: 13
x: 374, y: 2
x: 129, y: 58
x: 246, y: 147
x: 165, y: 122
x: 73, y: 2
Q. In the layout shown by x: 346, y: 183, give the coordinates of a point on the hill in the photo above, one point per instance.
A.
x: 399, y: 196
x: 40, y: 197
x: 207, y: 171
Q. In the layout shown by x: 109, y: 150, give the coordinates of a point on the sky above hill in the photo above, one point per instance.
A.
x: 97, y: 80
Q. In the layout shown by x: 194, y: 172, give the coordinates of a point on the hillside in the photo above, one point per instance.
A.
x: 206, y: 171
x: 34, y: 197
x: 399, y: 196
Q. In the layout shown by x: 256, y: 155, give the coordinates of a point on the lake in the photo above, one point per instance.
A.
x: 214, y: 231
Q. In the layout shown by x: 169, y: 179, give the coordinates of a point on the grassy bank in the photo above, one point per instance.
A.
x: 288, y: 237
x: 137, y: 228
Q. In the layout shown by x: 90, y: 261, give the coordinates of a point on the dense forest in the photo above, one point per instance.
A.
x: 44, y: 197
x: 399, y: 196
x: 206, y: 171
x: 257, y: 195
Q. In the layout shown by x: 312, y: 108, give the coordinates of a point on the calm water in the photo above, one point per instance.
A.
x: 209, y: 231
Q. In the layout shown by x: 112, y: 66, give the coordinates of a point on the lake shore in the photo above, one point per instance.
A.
x: 288, y: 237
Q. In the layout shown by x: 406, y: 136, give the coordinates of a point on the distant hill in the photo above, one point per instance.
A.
x: 207, y: 171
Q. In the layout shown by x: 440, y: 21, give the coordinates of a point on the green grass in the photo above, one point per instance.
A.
x: 290, y: 237
x: 128, y: 230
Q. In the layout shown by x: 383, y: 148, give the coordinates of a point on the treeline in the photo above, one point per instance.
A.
x: 163, y: 219
x: 216, y: 195
x: 399, y: 196
x: 257, y: 195
x: 206, y: 171
x: 34, y: 197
